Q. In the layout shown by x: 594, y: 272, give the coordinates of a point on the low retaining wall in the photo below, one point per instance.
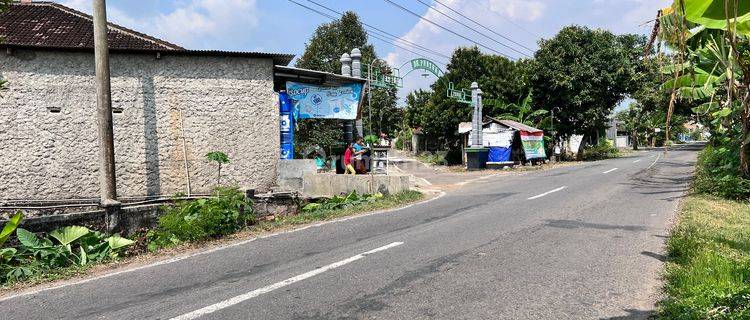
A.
x: 328, y: 184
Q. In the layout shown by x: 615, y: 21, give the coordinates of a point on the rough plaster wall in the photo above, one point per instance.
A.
x: 227, y: 105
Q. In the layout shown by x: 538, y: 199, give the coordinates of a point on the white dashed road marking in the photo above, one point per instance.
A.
x: 610, y: 170
x: 257, y: 292
x: 546, y: 193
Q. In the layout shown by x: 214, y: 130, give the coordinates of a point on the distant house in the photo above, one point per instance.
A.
x: 172, y: 106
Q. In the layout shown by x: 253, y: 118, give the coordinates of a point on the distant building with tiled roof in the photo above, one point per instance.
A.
x: 48, y: 24
x: 172, y: 105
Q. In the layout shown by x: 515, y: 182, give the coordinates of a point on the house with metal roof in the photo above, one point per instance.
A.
x: 509, y: 142
x: 171, y: 106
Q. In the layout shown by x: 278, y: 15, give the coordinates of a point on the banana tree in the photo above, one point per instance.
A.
x: 523, y: 113
x: 711, y: 40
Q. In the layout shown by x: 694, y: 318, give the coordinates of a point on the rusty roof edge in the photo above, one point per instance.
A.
x: 278, y: 58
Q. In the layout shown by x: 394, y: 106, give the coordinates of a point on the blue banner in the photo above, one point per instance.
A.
x: 319, y: 102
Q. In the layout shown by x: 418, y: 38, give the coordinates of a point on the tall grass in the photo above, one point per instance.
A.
x: 708, y: 273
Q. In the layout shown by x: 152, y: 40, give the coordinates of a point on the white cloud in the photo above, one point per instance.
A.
x: 194, y: 23
x: 206, y: 18
x: 518, y: 9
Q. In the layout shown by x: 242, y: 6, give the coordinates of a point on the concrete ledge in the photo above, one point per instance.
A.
x: 328, y: 184
x: 290, y: 173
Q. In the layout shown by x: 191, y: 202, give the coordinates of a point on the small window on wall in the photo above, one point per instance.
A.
x: 54, y: 109
x: 116, y: 109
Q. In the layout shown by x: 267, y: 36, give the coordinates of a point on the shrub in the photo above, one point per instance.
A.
x: 718, y: 174
x: 65, y: 247
x: 225, y: 212
x: 602, y: 150
x: 340, y: 202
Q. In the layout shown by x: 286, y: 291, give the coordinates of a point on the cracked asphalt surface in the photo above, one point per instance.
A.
x: 592, y: 250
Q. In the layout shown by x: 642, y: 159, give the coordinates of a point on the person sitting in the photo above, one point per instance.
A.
x: 359, y: 151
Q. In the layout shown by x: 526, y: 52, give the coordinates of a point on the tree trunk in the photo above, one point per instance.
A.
x: 634, y: 138
x: 218, y: 180
x: 744, y: 143
x: 579, y: 155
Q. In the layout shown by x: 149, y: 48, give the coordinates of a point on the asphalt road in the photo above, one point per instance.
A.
x: 581, y: 242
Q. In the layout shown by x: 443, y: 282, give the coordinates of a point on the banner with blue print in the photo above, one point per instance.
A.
x: 325, y: 102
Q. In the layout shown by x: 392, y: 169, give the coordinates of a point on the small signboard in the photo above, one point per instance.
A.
x: 533, y: 144
x: 462, y: 96
x: 325, y: 102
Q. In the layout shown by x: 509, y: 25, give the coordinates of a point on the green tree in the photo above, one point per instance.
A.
x: 582, y: 74
x: 322, y: 52
x: 220, y: 158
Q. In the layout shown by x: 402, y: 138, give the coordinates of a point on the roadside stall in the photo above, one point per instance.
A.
x: 509, y: 142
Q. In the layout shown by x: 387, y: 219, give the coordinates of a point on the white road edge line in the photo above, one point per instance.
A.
x: 212, y: 250
x: 257, y: 292
x: 636, y: 161
x: 546, y: 193
x: 610, y: 170
x: 655, y: 161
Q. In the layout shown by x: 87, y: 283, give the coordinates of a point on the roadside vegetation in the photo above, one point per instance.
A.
x: 708, y: 269
x: 26, y: 257
x: 340, y: 206
x: 708, y: 273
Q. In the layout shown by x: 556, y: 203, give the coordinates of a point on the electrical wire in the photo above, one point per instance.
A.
x: 388, y: 34
x: 370, y: 34
x: 501, y: 16
x: 446, y: 29
x: 477, y: 31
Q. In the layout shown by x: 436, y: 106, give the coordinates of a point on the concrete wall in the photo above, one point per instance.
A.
x: 327, y: 185
x: 227, y: 104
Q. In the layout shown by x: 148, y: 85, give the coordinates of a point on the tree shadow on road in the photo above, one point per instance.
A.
x: 574, y: 224
x: 633, y: 314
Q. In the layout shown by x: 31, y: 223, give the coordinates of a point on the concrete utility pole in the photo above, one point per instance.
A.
x: 476, y: 119
x: 107, y: 184
x: 346, y: 70
x: 357, y: 73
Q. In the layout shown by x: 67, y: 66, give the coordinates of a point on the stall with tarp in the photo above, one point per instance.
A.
x: 509, y: 142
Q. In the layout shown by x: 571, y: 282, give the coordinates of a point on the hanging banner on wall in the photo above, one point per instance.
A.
x: 323, y: 102
x: 533, y: 144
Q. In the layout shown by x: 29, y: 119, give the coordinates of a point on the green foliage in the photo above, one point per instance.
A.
x: 341, y: 202
x: 709, y: 262
x: 225, y: 212
x: 322, y: 52
x: 436, y: 158
x: 602, y: 150
x: 10, y: 227
x: 582, y: 74
x: 220, y: 158
x: 717, y: 173
x: 371, y: 139
x: 73, y: 246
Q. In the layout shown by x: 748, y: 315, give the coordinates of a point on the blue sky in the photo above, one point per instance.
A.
x: 282, y: 26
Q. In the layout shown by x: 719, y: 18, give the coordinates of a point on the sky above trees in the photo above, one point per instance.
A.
x: 282, y: 26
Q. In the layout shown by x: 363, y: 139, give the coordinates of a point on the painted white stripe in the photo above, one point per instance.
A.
x: 215, y: 249
x: 546, y: 193
x: 610, y: 170
x: 257, y: 292
x: 655, y: 161
x: 636, y: 161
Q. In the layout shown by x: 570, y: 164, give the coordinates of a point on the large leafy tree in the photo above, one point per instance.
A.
x: 322, y: 52
x: 582, y: 74
x: 501, y: 80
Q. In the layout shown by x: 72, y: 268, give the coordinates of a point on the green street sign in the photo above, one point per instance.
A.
x: 379, y: 80
x: 462, y: 96
x: 427, y: 65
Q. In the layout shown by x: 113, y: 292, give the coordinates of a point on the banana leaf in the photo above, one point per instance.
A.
x: 713, y: 14
x: 9, y: 227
